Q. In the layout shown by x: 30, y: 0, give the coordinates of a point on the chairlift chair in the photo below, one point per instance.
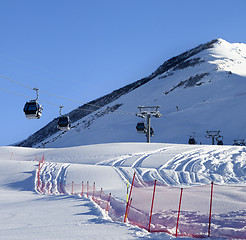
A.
x: 239, y: 142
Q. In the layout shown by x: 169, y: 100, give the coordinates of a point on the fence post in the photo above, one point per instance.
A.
x: 42, y: 189
x: 82, y: 190
x: 94, y: 188
x: 152, y: 205
x: 72, y: 188
x: 180, y: 200
x: 108, y: 202
x: 130, y: 202
x: 87, y: 189
x: 210, y: 210
x: 127, y: 204
x: 60, y: 188
x: 100, y: 196
x: 38, y: 180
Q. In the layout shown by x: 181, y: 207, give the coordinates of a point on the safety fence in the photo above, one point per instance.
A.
x: 199, y: 211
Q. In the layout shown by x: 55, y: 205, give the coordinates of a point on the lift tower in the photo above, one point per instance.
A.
x: 213, y: 134
x: 147, y: 112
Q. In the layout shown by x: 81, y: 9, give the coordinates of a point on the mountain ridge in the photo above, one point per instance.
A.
x: 182, y: 62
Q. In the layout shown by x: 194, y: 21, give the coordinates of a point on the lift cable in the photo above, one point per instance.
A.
x: 69, y: 99
x: 14, y: 81
x: 58, y: 105
x: 43, y: 101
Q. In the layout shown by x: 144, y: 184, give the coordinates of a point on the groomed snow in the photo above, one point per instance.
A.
x: 25, y: 214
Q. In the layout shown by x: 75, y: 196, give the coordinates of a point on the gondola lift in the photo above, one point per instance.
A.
x: 141, y: 127
x: 220, y: 140
x: 32, y: 109
x: 63, y: 122
x: 192, y: 140
x: 152, y: 132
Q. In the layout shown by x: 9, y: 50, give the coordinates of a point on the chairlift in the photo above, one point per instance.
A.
x: 140, y: 127
x: 63, y: 122
x: 239, y: 142
x: 32, y: 109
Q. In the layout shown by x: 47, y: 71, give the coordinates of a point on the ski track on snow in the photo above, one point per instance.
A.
x: 51, y: 175
x: 197, y: 166
x: 193, y: 166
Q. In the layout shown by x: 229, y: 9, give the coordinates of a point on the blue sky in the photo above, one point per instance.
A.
x: 85, y: 49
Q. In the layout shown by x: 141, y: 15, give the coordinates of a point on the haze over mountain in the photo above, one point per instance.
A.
x: 199, y: 90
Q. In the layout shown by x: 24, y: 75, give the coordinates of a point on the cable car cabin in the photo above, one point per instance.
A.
x: 220, y: 142
x: 32, y: 110
x: 192, y: 140
x: 140, y: 127
x: 64, y: 123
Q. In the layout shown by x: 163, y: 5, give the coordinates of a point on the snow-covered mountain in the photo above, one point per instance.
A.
x: 203, y: 89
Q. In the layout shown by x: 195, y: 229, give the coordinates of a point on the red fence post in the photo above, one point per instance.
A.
x: 127, y: 204
x: 60, y: 189
x: 152, y: 205
x: 82, y: 190
x: 100, y: 196
x: 42, y: 189
x: 38, y: 180
x: 87, y: 189
x: 94, y: 188
x: 210, y: 210
x: 108, y: 202
x: 180, y: 200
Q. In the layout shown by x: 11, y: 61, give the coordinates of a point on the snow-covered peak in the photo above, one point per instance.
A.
x: 199, y: 90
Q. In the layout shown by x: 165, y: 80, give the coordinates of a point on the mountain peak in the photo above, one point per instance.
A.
x: 198, y: 90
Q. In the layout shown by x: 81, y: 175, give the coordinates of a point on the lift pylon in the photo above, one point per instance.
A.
x: 213, y: 135
x: 148, y: 112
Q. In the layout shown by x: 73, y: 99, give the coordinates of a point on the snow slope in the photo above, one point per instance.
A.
x: 28, y: 215
x: 208, y: 88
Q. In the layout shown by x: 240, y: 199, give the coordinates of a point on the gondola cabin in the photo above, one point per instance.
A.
x: 33, y: 110
x: 140, y: 127
x: 192, y: 140
x: 220, y: 142
x: 64, y: 123
x: 152, y: 132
